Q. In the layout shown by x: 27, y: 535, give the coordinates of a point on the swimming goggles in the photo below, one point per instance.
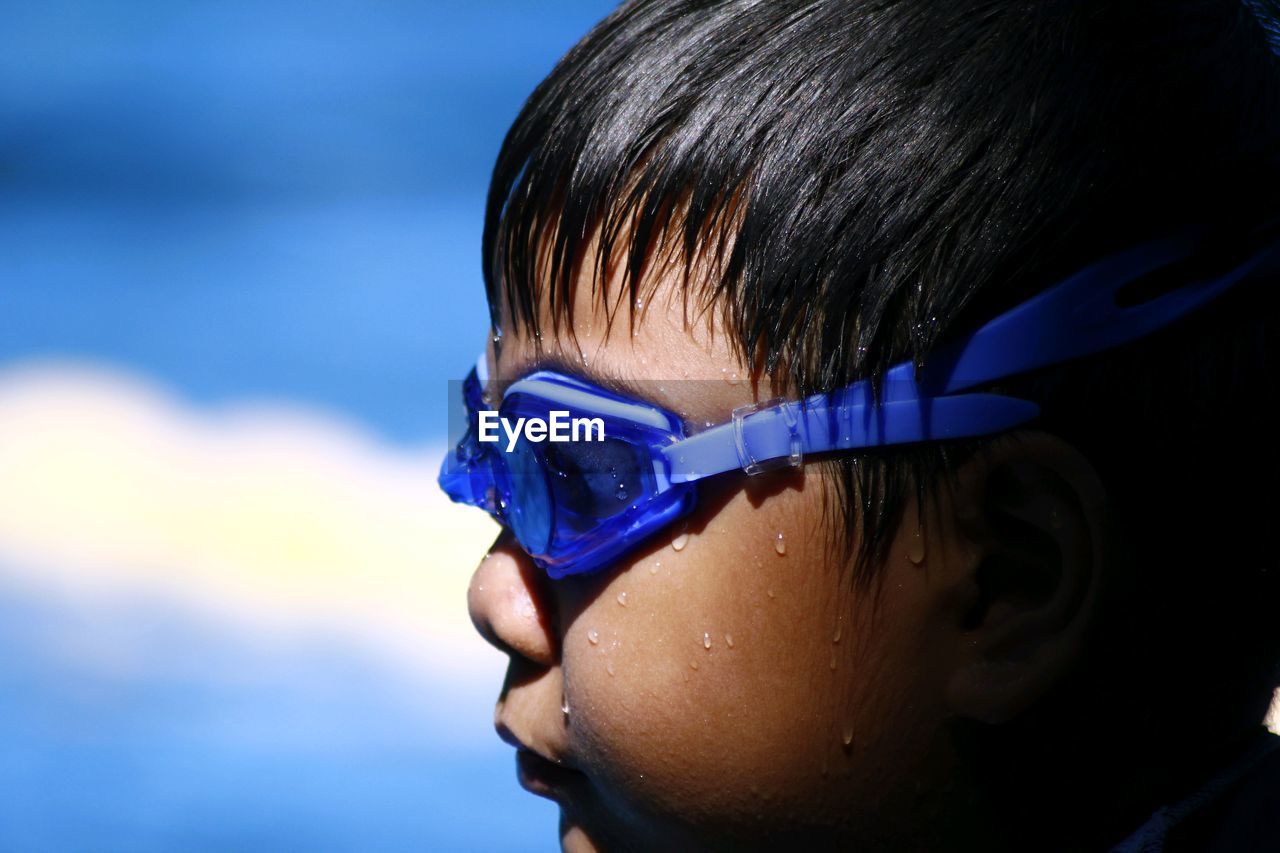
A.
x: 575, y: 506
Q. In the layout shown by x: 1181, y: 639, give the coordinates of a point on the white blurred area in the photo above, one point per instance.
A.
x: 283, y: 521
x: 288, y: 522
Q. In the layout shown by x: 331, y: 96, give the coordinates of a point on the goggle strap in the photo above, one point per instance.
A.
x: 766, y: 438
x: 1078, y: 317
x: 1082, y: 315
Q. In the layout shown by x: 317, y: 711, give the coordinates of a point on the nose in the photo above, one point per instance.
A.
x: 511, y: 606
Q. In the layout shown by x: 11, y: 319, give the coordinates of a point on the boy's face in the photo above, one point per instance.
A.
x: 724, y: 684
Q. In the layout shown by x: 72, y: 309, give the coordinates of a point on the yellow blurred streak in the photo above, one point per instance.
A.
x: 287, y: 519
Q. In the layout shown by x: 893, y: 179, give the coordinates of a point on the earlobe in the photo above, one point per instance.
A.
x: 1034, y: 508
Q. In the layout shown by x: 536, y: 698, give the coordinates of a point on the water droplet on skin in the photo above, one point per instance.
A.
x: 780, y: 543
x: 608, y: 667
x: 833, y: 661
x: 915, y: 550
x: 680, y: 541
x: 657, y: 564
x: 693, y: 664
x: 622, y: 598
x: 593, y: 636
x: 564, y: 705
x: 839, y: 631
x: 706, y: 640
x: 728, y: 640
x: 847, y: 737
x: 770, y: 593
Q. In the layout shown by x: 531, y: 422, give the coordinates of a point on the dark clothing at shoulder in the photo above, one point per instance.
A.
x: 1237, y: 811
x: 1244, y: 820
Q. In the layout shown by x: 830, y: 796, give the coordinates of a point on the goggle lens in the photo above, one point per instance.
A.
x: 567, y: 502
x: 528, y: 509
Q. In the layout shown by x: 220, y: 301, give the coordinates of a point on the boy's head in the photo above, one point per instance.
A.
x: 871, y: 647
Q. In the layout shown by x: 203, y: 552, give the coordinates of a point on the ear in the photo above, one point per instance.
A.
x: 1032, y: 511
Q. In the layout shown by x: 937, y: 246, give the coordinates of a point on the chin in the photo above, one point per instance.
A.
x: 581, y: 833
x: 575, y: 839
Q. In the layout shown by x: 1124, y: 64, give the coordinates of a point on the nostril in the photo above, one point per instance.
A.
x: 510, y: 608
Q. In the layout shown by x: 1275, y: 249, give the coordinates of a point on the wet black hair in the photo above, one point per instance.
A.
x: 851, y: 182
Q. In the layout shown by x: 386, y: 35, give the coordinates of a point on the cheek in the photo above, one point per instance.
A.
x: 714, y: 683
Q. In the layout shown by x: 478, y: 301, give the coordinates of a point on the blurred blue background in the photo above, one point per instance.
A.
x: 239, y: 259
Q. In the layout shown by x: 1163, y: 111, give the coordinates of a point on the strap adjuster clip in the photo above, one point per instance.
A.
x: 790, y: 416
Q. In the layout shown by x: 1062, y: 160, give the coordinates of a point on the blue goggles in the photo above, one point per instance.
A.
x: 627, y: 469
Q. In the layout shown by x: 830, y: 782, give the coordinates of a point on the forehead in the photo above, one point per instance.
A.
x: 678, y: 351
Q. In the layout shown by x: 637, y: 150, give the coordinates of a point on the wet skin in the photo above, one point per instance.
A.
x: 724, y: 687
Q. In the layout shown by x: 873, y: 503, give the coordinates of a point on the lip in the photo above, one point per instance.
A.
x: 537, y: 773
